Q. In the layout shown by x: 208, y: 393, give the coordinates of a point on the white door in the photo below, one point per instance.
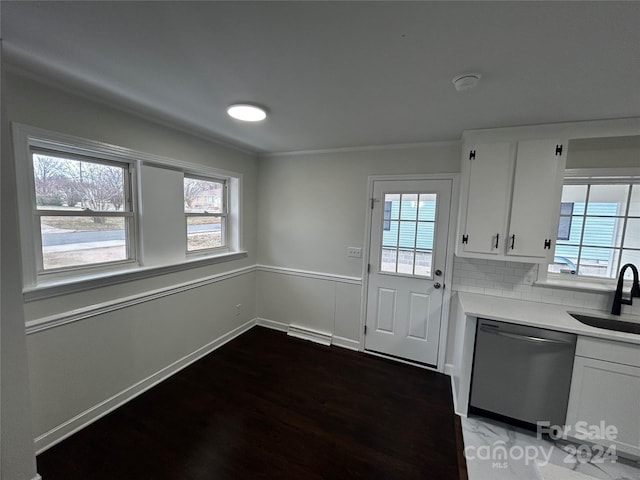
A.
x: 409, y: 229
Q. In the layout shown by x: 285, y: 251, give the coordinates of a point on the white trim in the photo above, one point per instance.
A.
x: 448, y: 369
x: 400, y: 360
x: 335, y: 340
x: 364, y: 148
x: 37, y: 477
x: 272, y: 324
x: 56, y: 320
x: 309, y: 274
x: 80, y: 284
x: 588, y: 173
x: 618, y: 127
x: 345, y: 343
x: 316, y: 336
x: 68, y: 428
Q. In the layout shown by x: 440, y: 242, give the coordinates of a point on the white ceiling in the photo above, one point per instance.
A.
x: 338, y: 74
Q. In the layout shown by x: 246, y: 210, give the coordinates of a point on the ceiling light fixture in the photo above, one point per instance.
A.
x: 466, y: 81
x: 247, y: 112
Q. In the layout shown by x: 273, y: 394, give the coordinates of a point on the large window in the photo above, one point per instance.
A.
x: 94, y: 214
x: 82, y: 211
x: 599, y: 228
x: 205, y: 208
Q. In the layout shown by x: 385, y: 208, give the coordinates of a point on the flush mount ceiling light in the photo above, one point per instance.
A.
x: 466, y: 81
x: 247, y: 112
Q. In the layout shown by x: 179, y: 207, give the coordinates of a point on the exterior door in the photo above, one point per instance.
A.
x: 409, y: 229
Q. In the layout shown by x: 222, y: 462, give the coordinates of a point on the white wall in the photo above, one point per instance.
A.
x: 17, y: 459
x: 312, y: 206
x: 305, y: 209
x: 76, y: 367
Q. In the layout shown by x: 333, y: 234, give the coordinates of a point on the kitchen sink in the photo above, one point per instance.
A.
x: 607, y: 323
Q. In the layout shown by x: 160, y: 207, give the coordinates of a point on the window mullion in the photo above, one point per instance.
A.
x: 624, y: 227
x: 80, y: 213
x: 415, y: 237
x: 584, y: 223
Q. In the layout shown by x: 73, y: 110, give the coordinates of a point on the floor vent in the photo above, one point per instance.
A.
x: 304, y: 333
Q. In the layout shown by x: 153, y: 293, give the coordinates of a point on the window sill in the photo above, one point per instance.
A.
x: 54, y: 288
x: 589, y: 286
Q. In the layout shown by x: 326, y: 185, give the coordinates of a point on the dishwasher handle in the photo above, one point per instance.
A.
x: 526, y: 338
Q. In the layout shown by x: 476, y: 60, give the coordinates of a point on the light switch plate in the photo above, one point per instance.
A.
x: 355, y: 252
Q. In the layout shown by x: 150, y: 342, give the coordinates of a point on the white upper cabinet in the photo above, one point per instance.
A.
x: 537, y: 190
x: 510, y: 199
x: 487, y: 189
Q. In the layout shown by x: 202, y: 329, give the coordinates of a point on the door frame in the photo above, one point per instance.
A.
x: 448, y: 273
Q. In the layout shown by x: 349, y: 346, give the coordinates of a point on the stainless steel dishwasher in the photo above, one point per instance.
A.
x: 521, y: 373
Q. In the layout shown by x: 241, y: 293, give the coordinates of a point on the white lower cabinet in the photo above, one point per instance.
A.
x: 605, y: 395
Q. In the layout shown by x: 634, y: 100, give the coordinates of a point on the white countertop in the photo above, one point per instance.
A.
x: 544, y: 315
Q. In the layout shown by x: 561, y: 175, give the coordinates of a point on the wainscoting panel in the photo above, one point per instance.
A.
x: 82, y: 369
x: 316, y: 301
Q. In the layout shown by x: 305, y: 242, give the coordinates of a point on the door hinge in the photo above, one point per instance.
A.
x: 373, y: 203
x: 558, y: 150
x: 547, y: 244
x: 465, y: 238
x: 365, y: 329
x: 472, y: 154
x: 368, y: 268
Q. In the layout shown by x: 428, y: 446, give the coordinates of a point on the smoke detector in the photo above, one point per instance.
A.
x: 466, y: 81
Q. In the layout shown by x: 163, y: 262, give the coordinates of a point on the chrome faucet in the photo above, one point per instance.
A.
x: 635, y: 289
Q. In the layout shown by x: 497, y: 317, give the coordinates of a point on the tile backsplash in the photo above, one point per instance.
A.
x: 515, y: 280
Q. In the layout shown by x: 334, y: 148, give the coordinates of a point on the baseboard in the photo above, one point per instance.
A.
x: 448, y: 369
x: 37, y: 477
x: 66, y: 429
x: 272, y: 324
x: 305, y: 333
x: 345, y: 343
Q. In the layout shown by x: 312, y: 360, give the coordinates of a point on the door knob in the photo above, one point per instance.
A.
x: 436, y: 285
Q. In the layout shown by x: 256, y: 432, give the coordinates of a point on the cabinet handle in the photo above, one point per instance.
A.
x: 497, y: 238
x: 513, y: 241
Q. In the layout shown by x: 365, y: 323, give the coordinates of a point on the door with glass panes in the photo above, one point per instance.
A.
x: 409, y: 228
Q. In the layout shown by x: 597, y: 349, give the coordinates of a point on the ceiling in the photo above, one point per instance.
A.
x: 337, y: 74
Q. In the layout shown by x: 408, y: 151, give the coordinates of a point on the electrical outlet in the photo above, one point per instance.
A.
x: 238, y: 309
x: 355, y: 252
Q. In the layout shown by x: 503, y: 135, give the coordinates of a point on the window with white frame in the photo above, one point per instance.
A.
x: 82, y: 211
x: 599, y: 228
x: 205, y: 209
x: 78, y: 203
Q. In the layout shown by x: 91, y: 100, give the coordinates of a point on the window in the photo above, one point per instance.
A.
x: 564, y: 225
x: 599, y: 228
x: 83, y: 213
x: 387, y: 216
x: 78, y: 202
x: 205, y: 209
x: 407, y: 245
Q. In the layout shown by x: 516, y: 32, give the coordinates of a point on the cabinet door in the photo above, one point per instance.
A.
x: 606, y: 392
x: 537, y: 190
x: 489, y: 174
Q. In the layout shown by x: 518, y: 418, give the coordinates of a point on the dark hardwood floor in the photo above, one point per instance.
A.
x: 269, y: 406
